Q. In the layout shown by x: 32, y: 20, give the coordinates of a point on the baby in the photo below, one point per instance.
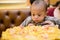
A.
x: 39, y: 17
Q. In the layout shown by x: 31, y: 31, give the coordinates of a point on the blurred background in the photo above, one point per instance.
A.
x: 20, y: 4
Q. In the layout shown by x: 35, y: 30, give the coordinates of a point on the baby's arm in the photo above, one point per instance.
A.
x: 54, y: 21
x: 48, y: 23
x: 25, y: 22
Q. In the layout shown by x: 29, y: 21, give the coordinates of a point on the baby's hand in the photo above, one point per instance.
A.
x: 21, y: 26
x: 46, y: 26
x: 30, y: 24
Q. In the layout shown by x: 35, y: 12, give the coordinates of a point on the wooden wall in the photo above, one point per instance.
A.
x: 20, y: 5
x: 53, y: 1
x: 14, y: 5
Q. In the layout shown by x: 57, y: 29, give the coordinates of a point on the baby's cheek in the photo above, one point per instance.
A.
x: 41, y: 18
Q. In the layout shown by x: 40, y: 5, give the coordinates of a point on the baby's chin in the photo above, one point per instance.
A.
x: 37, y: 21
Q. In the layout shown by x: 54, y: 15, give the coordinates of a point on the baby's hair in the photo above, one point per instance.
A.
x: 39, y: 3
x: 31, y: 1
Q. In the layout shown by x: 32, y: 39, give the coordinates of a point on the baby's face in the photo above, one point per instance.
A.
x: 38, y: 14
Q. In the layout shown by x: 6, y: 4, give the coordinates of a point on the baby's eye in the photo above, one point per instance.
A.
x: 33, y: 14
x: 39, y: 15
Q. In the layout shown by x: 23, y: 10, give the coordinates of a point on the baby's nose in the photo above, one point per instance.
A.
x: 36, y: 16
